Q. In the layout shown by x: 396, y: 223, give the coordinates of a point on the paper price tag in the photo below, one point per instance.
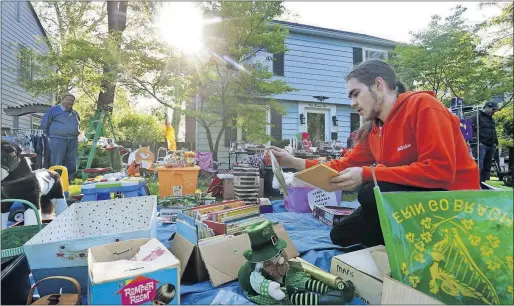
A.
x: 320, y: 197
x: 177, y: 191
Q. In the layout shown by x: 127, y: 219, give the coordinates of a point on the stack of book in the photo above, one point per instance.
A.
x: 225, y: 218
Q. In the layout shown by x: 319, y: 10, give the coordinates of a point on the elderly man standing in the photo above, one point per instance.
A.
x: 61, y: 124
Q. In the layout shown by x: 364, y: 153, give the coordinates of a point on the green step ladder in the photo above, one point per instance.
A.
x: 96, y: 129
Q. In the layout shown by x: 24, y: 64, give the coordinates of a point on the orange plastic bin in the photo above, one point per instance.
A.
x: 177, y: 181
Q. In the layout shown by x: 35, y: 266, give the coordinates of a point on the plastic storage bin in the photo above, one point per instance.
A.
x: 297, y: 199
x: 177, y: 181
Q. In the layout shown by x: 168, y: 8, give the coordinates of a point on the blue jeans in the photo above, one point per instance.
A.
x: 485, y: 161
x: 64, y: 153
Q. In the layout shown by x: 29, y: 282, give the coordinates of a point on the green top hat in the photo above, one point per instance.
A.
x: 264, y: 242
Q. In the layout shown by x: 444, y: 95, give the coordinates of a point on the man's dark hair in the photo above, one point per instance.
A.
x: 366, y: 73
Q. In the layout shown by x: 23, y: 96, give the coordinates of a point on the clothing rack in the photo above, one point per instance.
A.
x: 23, y: 137
x: 33, y: 141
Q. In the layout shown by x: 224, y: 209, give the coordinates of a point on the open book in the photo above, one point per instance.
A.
x: 318, y: 176
x: 277, y: 171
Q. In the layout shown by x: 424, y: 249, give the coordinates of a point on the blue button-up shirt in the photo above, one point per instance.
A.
x: 60, y: 123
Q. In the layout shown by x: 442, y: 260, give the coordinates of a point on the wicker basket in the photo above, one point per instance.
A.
x: 14, y: 238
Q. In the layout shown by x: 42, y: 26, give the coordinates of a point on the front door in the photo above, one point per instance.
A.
x: 316, y: 127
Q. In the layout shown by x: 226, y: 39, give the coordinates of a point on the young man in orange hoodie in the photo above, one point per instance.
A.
x: 414, y: 142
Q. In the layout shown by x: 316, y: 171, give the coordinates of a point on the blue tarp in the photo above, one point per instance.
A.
x: 311, y: 238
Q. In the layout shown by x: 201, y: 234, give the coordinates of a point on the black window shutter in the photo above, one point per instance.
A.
x: 230, y: 135
x: 357, y: 56
x: 276, y: 125
x: 354, y: 122
x: 333, y: 136
x: 278, y: 64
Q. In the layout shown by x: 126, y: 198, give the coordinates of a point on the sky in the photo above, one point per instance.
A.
x: 389, y: 20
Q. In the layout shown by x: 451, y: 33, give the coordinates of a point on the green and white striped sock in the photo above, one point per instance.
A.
x: 304, y: 299
x: 316, y: 286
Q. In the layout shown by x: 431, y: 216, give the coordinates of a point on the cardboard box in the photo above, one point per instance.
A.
x: 115, y: 279
x: 218, y: 259
x: 397, y: 293
x: 366, y: 269
x: 61, y: 247
x: 331, y: 215
x: 265, y: 206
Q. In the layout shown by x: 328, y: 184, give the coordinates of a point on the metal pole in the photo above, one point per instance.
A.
x: 478, y: 138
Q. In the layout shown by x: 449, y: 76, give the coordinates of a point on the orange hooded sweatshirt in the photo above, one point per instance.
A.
x: 420, y: 144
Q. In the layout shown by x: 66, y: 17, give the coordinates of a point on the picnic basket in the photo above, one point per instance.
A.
x: 57, y: 299
x: 15, y: 237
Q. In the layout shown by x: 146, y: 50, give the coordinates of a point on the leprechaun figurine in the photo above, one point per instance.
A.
x: 268, y: 278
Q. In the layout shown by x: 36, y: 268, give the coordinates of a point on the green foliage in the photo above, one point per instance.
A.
x: 500, y: 36
x: 446, y: 58
x: 143, y: 129
x: 100, y: 160
x: 280, y: 143
x: 505, y: 126
x: 500, y: 27
x: 74, y: 34
x: 234, y: 89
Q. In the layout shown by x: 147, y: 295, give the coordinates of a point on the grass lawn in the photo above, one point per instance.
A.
x: 497, y: 183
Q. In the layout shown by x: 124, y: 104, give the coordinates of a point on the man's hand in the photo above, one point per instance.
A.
x: 287, y: 160
x: 348, y: 180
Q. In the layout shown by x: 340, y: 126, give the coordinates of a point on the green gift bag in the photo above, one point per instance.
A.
x: 455, y: 246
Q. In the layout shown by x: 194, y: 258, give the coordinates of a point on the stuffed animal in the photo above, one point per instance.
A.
x: 267, y: 278
x: 143, y: 156
x: 42, y: 187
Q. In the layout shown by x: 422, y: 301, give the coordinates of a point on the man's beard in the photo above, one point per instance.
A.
x: 276, y: 270
x: 375, y: 109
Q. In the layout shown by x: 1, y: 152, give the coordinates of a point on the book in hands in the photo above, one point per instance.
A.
x: 318, y: 176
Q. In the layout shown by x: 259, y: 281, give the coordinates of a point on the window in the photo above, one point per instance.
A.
x: 267, y: 127
x: 25, y: 69
x: 36, y: 122
x: 276, y: 125
x: 278, y: 64
x: 374, y: 54
x: 355, y: 120
x: 357, y: 56
x: 230, y: 135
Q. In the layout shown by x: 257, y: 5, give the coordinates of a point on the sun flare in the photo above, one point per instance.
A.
x: 180, y: 25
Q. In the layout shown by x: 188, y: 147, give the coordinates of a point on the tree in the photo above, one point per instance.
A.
x: 447, y: 59
x: 235, y: 89
x: 116, y: 24
x: 72, y: 29
x: 500, y: 35
x: 500, y: 27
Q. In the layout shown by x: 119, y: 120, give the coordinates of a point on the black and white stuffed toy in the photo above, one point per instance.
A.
x: 42, y: 187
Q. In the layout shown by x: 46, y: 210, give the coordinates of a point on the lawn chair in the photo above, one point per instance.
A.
x: 208, y: 168
x: 161, y: 154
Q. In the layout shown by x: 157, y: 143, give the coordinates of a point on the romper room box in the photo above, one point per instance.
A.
x: 133, y: 272
x: 61, y: 247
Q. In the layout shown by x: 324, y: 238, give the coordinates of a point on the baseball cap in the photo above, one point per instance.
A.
x: 492, y: 104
